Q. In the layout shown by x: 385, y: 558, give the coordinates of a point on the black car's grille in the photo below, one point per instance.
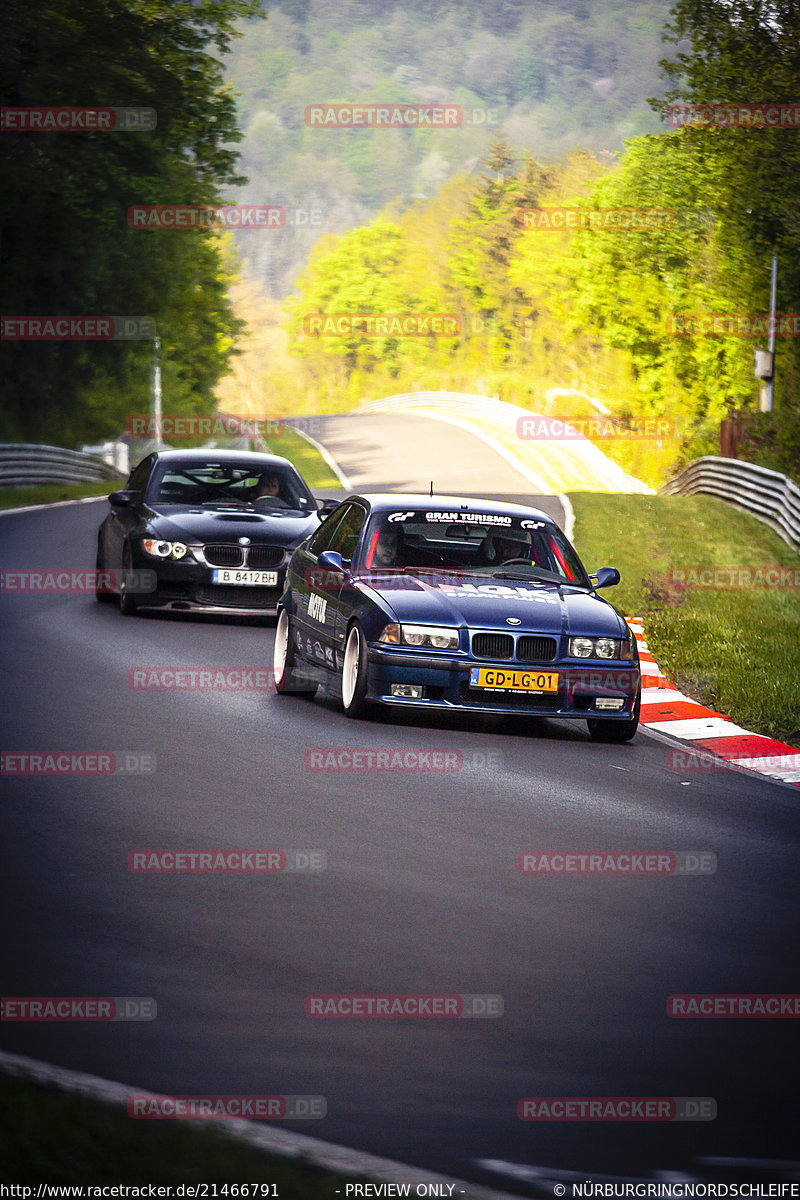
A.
x: 238, y: 597
x: 265, y: 556
x: 536, y: 649
x: 492, y: 645
x: 224, y: 556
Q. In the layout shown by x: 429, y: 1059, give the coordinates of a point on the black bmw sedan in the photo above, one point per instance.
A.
x: 204, y: 531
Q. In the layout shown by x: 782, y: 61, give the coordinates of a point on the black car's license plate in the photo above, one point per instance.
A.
x: 245, y: 578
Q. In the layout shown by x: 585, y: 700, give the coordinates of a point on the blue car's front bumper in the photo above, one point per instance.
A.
x: 445, y: 681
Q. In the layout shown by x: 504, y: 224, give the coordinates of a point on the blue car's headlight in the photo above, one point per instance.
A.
x: 161, y: 549
x: 586, y: 647
x: 428, y: 637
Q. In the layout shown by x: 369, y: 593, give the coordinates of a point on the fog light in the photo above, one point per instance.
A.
x: 408, y: 691
x: 610, y: 703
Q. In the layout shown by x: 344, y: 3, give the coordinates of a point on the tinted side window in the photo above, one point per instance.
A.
x: 324, y: 536
x: 348, y: 532
x: 139, y: 475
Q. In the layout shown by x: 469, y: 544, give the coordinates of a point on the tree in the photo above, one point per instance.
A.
x: 65, y: 243
x: 745, y: 52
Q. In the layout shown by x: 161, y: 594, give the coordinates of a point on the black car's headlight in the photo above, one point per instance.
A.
x: 158, y: 548
x: 427, y: 637
x: 603, y: 647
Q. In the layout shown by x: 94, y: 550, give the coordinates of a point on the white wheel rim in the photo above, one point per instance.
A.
x: 281, y: 646
x: 350, y: 667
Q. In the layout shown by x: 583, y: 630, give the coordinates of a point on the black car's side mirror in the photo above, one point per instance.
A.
x: 122, y: 499
x: 332, y: 560
x: 606, y: 577
x: 326, y: 507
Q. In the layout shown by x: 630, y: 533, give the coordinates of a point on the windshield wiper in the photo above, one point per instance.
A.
x: 543, y: 577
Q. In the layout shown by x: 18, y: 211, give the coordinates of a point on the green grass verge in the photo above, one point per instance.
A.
x: 733, y: 648
x: 48, y: 1136
x: 309, y: 462
x: 48, y: 493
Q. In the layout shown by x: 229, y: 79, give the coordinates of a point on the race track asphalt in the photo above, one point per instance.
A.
x: 422, y: 893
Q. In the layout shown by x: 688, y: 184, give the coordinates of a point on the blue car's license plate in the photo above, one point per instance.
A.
x: 511, y: 679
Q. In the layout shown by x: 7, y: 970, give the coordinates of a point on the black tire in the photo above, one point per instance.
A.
x: 615, y: 731
x: 288, y: 680
x: 127, y: 601
x: 102, y: 597
x: 355, y: 673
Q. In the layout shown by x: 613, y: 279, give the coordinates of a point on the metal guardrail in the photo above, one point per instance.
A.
x: 767, y: 495
x: 22, y: 463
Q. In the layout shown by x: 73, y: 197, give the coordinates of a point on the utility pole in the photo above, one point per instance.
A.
x: 157, y: 391
x: 767, y: 392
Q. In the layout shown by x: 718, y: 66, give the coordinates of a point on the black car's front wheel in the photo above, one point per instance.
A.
x: 102, y: 592
x: 284, y: 664
x: 355, y: 673
x: 615, y: 731
x: 127, y: 601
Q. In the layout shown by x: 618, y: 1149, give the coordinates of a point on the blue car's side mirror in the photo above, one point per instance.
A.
x: 332, y: 561
x: 606, y: 577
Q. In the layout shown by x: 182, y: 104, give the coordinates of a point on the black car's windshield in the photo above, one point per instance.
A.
x: 496, y: 545
x: 229, y: 485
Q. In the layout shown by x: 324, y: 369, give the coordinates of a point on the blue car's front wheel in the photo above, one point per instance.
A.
x: 354, y: 673
x: 287, y: 677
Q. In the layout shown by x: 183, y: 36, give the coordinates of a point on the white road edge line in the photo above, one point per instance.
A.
x: 569, y: 515
x: 4, y: 512
x: 479, y: 432
x: 309, y: 1150
x: 513, y: 461
x: 320, y: 449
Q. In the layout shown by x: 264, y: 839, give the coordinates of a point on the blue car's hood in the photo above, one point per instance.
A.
x: 480, y: 603
x: 190, y: 524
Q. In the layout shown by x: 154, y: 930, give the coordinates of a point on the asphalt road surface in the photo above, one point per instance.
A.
x: 422, y: 893
x: 400, y: 452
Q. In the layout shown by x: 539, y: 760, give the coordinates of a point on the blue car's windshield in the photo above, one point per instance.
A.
x: 497, y: 545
